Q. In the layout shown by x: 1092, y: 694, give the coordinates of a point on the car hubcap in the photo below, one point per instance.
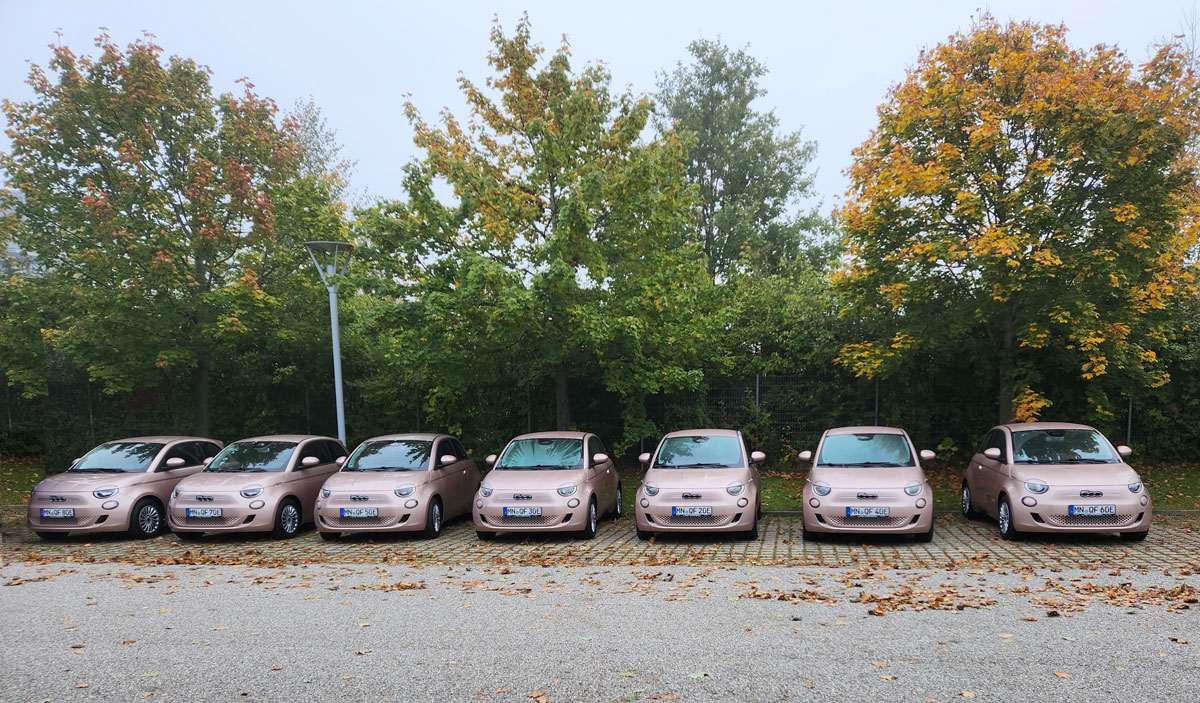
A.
x: 592, y: 517
x: 149, y: 519
x: 437, y: 517
x: 290, y: 519
x: 1004, y: 517
x: 966, y: 500
x: 618, y: 510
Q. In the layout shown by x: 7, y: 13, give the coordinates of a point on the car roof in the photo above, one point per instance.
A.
x: 286, y: 438
x: 1020, y: 426
x: 865, y: 429
x: 564, y: 434
x: 163, y: 439
x: 709, y: 432
x: 420, y: 436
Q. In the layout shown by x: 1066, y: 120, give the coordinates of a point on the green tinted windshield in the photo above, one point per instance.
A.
x: 253, y: 456
x: 1062, y: 447
x: 544, y: 453
x: 699, y: 452
x: 118, y: 458
x: 865, y: 450
x: 390, y: 455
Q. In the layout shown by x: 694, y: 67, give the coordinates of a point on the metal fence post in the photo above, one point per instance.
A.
x: 876, y: 402
x: 755, y: 390
x: 1129, y: 423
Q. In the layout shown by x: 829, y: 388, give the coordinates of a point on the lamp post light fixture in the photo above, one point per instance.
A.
x: 334, y: 258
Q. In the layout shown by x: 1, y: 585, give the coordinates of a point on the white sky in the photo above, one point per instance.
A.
x: 831, y: 63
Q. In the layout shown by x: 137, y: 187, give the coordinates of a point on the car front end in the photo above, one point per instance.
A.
x: 696, y: 500
x: 850, y: 500
x: 1064, y: 499
x: 207, y: 502
x: 531, y: 501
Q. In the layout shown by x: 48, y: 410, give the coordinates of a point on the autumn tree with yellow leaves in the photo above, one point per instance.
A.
x: 1022, y: 201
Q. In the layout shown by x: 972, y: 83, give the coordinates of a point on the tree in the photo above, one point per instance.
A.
x: 1021, y: 199
x: 748, y: 174
x: 166, y: 220
x: 564, y: 253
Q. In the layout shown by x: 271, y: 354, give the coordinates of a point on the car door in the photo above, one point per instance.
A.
x: 448, y: 477
x: 990, y: 473
x: 166, y: 477
x: 308, y: 480
x: 471, y: 475
x: 603, y: 477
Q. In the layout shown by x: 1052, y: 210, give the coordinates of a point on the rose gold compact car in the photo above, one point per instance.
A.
x: 700, y: 481
x: 256, y: 485
x: 868, y: 479
x: 120, y: 485
x: 548, y: 481
x: 1055, y: 477
x: 398, y: 483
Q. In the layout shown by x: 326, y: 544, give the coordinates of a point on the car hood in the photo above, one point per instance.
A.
x: 214, y: 481
x: 81, y: 482
x: 543, y: 480
x: 376, y: 480
x: 870, y: 477
x: 696, y: 478
x: 1077, y: 474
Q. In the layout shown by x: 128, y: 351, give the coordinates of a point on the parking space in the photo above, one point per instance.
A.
x: 1173, y: 544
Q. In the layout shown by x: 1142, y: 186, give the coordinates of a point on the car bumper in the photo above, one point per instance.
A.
x: 90, y: 515
x: 392, y: 516
x: 906, y: 514
x: 558, y: 513
x: 236, y: 515
x: 729, y: 513
x: 1053, y: 515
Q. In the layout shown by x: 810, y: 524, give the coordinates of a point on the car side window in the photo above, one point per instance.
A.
x: 459, y: 451
x: 441, y: 449
x: 207, y: 450
x: 335, y: 450
x: 595, y: 446
x: 317, y: 449
x: 184, y: 450
x: 996, y: 439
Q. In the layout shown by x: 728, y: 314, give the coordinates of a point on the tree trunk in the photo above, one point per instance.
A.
x: 200, y: 382
x: 562, y: 401
x: 1008, y: 355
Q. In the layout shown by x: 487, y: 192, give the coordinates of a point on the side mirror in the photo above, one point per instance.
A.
x: 757, y: 457
x: 805, y: 455
x: 310, y: 461
x: 599, y: 458
x: 175, y: 462
x: 644, y: 458
x: 340, y: 460
x: 208, y: 460
x: 491, y: 459
x: 928, y: 455
x: 447, y: 459
x: 993, y: 453
x: 1124, y: 450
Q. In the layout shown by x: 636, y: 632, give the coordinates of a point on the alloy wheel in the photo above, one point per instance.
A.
x: 290, y: 518
x: 149, y: 519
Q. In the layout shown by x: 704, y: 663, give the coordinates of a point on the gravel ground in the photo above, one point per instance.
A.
x: 457, y: 633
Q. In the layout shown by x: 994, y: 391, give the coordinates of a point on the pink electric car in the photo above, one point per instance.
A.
x: 398, y: 483
x: 548, y: 481
x: 121, y: 485
x: 1055, y: 477
x: 868, y: 479
x: 261, y: 484
x: 700, y: 481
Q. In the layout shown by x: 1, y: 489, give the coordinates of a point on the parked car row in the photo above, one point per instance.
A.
x: 1030, y: 477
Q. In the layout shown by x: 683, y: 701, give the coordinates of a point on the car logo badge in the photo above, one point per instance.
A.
x: 868, y: 496
x: 522, y: 496
x: 204, y: 499
x: 359, y: 498
x: 692, y: 496
x: 58, y: 499
x: 1090, y: 494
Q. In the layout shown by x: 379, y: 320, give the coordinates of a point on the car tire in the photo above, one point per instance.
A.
x: 189, y: 536
x: 52, y: 536
x: 924, y: 537
x: 287, y: 520
x: 485, y: 536
x: 589, y: 526
x: 644, y: 534
x: 330, y: 536
x: 1134, y: 536
x: 968, y: 503
x: 147, y: 519
x: 616, y: 513
x: 1004, y: 520
x: 751, y: 535
x: 433, y: 519
x: 808, y: 535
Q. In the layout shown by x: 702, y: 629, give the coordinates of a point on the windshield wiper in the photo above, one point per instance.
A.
x: 385, y: 468
x: 97, y: 471
x: 878, y: 463
x: 540, y: 467
x: 698, y: 465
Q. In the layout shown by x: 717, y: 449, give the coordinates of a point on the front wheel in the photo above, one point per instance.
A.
x: 287, y: 520
x: 589, y: 528
x: 189, y: 536
x: 1005, y: 520
x: 924, y: 537
x: 751, y: 535
x: 1134, y: 536
x: 617, y: 506
x: 146, y: 520
x: 485, y: 536
x: 433, y: 520
x: 52, y: 536
x: 968, y: 507
x: 330, y: 536
x: 644, y: 534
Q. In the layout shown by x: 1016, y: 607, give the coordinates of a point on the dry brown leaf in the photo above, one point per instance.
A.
x: 83, y: 685
x: 881, y: 665
x: 1061, y: 675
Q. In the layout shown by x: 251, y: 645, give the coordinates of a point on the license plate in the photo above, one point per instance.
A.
x: 1091, y: 510
x: 523, y: 511
x: 58, y: 512
x: 203, y: 512
x: 868, y: 512
x: 360, y: 512
x: 691, y: 510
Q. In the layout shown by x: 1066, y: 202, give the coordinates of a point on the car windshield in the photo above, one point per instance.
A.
x: 1062, y: 447
x: 117, y: 458
x: 390, y: 455
x: 544, y: 453
x: 868, y: 449
x: 253, y: 456
x: 699, y: 452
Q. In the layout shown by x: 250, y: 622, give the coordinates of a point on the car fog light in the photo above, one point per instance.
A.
x: 479, y: 504
x: 921, y: 502
x: 814, y: 502
x: 256, y: 505
x: 1029, y: 501
x: 412, y: 503
x: 109, y: 505
x: 742, y: 502
x: 644, y: 503
x: 1144, y: 500
x: 573, y: 503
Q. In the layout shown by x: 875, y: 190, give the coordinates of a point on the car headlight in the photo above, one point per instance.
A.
x: 651, y: 489
x: 1036, y: 485
x: 174, y: 494
x: 913, y: 489
x: 325, y: 491
x: 105, y: 492
x: 735, y: 489
x: 1135, y: 487
x: 821, y: 488
x: 485, y: 489
x: 567, y: 489
x: 252, y: 491
x: 405, y: 490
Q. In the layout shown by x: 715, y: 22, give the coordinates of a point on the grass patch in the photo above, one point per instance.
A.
x: 17, y: 479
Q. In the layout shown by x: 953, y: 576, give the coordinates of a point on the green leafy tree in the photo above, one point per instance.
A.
x: 166, y: 220
x: 1025, y: 201
x: 750, y: 176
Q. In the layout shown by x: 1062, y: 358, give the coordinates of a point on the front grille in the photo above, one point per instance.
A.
x: 1090, y: 520
x: 211, y: 521
x: 529, y: 521
x: 360, y: 521
x: 688, y: 520
x: 884, y: 522
x: 39, y: 521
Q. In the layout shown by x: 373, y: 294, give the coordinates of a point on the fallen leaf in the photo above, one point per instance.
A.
x: 698, y: 674
x: 1006, y: 635
x: 222, y: 627
x: 626, y: 674
x: 887, y: 678
x: 1061, y: 675
x: 967, y: 694
x: 83, y: 685
x: 881, y: 665
x: 277, y: 668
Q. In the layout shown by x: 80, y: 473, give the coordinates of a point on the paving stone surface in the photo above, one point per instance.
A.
x: 1174, y: 543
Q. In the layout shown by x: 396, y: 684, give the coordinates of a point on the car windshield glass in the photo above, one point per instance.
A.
x: 118, y: 458
x: 1062, y: 447
x: 545, y: 453
x: 390, y: 455
x: 871, y: 450
x: 253, y: 456
x: 699, y: 452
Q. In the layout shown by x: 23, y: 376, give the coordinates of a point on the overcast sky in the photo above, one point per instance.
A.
x: 831, y: 63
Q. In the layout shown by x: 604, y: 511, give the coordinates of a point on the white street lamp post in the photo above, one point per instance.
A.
x: 330, y: 274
